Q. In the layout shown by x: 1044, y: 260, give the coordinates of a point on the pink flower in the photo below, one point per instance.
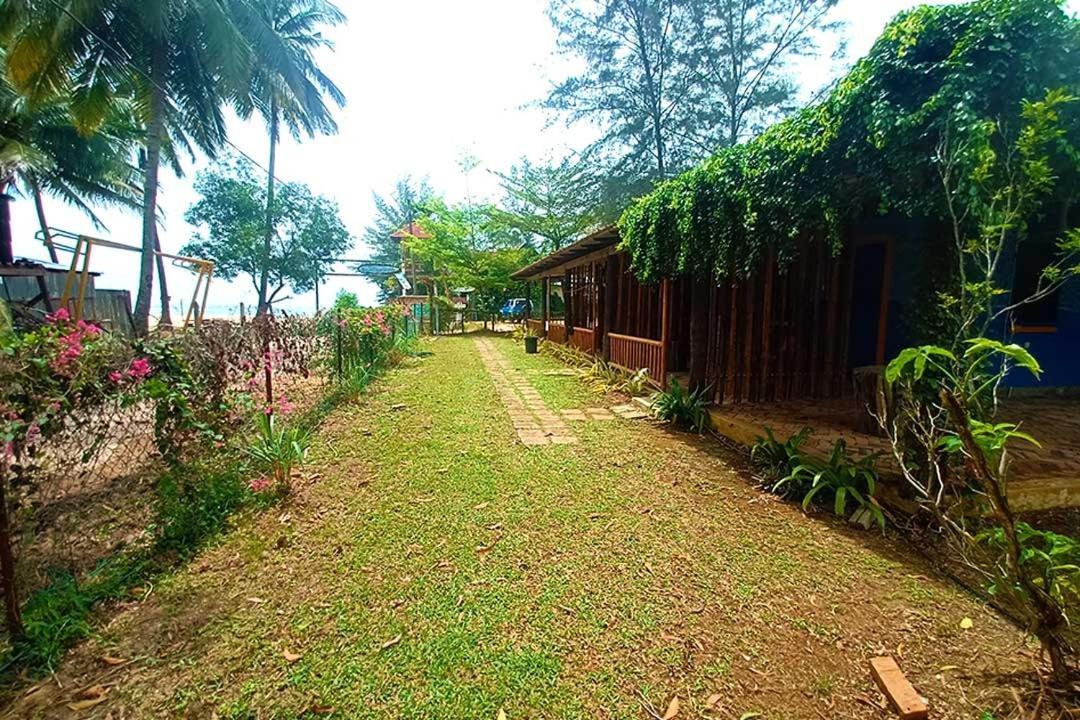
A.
x: 33, y: 434
x: 259, y: 484
x: 88, y: 329
x: 284, y: 406
x: 70, y: 349
x: 115, y: 376
x: 55, y: 407
x: 61, y: 315
x: 139, y: 368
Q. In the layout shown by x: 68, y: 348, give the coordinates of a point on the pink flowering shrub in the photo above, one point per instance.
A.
x: 365, y: 338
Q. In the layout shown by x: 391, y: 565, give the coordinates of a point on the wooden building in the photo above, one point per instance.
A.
x: 799, y: 331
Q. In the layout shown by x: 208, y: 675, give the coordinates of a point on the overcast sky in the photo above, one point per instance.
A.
x: 427, y: 81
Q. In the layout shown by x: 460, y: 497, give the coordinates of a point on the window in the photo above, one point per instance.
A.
x: 1032, y: 257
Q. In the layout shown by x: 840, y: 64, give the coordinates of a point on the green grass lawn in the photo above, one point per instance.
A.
x: 433, y: 567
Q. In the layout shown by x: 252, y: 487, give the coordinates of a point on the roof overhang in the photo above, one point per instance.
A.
x: 604, y: 239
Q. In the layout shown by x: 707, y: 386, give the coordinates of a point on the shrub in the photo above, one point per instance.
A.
x: 777, y: 459
x: 680, y: 406
x: 846, y: 480
x: 1052, y: 560
x: 188, y: 512
x: 277, y: 449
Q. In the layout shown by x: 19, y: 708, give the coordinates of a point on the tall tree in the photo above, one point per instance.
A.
x: 179, y: 61
x: 393, y: 211
x: 41, y: 153
x: 230, y: 215
x: 287, y: 85
x: 743, y: 52
x: 637, y: 84
x: 552, y: 204
x: 469, y: 246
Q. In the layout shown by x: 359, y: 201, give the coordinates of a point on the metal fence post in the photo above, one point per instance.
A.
x: 337, y: 343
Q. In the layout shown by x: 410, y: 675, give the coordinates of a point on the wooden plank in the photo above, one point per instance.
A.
x: 665, y: 328
x: 748, y: 335
x: 784, y: 325
x: 832, y: 319
x: 816, y: 324
x: 733, y: 330
x: 765, y: 378
x: 886, y: 295
x: 900, y: 693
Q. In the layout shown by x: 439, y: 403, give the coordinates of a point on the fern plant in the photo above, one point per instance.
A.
x: 680, y: 406
x: 847, y: 480
x: 777, y: 459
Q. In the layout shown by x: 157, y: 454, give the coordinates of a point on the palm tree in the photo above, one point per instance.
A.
x: 286, y: 84
x: 42, y: 153
x: 177, y: 61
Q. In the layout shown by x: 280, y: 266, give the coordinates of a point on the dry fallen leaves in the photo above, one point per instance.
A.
x: 390, y: 643
x: 88, y: 698
x: 112, y: 661
x: 501, y: 715
x: 672, y: 709
x: 289, y: 656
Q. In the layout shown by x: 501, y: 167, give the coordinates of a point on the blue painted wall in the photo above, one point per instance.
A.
x: 1058, y: 352
x: 913, y: 240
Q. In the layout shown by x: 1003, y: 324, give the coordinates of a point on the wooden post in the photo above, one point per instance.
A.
x: 886, y: 294
x: 765, y: 377
x: 528, y: 301
x: 568, y: 304
x: 545, y: 287
x: 665, y: 328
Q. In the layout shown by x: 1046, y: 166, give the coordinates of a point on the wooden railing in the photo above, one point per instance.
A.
x: 584, y: 340
x: 556, y: 331
x: 634, y: 353
x: 537, y: 326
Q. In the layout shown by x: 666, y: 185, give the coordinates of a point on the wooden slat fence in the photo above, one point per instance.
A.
x: 635, y: 353
x: 556, y: 331
x: 781, y: 334
x: 537, y: 326
x: 583, y: 339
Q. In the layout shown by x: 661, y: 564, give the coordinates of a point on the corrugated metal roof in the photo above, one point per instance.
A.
x: 602, y: 238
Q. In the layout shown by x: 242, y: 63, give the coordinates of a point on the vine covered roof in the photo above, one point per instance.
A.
x: 869, y: 145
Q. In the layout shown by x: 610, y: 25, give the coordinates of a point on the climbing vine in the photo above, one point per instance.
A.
x: 868, y: 147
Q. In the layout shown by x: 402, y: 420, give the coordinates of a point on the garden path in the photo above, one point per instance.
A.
x: 431, y: 565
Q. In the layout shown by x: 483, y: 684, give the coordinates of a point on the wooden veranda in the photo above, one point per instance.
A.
x: 591, y: 300
x: 784, y: 332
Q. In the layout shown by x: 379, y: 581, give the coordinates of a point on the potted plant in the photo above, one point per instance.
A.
x: 532, y: 342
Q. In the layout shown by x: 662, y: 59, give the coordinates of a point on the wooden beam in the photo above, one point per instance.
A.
x: 765, y: 382
x: 733, y: 334
x: 665, y: 328
x: 886, y: 295
x: 748, y: 339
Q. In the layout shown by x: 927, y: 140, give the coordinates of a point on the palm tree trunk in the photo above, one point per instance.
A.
x: 269, y: 230
x: 154, y: 131
x: 163, y: 292
x: 39, y: 205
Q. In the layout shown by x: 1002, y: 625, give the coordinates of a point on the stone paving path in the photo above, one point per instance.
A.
x: 535, y: 422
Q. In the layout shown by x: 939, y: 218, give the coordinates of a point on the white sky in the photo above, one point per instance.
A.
x: 427, y: 81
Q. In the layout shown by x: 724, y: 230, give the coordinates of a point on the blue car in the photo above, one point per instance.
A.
x: 514, y: 309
